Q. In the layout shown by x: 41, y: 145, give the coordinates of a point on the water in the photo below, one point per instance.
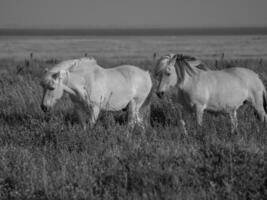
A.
x: 134, y: 47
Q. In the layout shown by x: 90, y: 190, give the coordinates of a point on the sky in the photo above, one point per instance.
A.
x: 132, y: 13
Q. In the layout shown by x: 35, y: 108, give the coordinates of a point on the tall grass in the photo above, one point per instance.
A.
x: 52, y: 157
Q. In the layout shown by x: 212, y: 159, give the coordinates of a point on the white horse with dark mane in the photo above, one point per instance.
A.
x: 216, y: 90
x: 93, y: 88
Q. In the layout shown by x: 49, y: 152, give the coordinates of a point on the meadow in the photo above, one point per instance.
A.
x: 50, y: 156
x: 115, y: 48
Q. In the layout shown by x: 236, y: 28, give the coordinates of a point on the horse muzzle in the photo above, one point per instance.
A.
x: 44, y: 108
x: 160, y: 94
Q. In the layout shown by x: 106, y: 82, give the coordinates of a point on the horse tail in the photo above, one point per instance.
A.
x: 145, y: 109
x: 149, y: 96
x: 264, y: 96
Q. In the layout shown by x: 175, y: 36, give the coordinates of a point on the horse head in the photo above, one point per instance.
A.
x: 53, y: 88
x: 172, y: 69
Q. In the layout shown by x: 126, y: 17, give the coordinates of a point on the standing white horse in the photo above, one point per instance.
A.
x: 216, y: 90
x: 93, y: 88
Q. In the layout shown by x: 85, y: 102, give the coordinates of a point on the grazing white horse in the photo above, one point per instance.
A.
x: 216, y: 90
x: 93, y: 88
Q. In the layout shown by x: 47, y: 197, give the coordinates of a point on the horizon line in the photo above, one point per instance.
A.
x: 133, y: 31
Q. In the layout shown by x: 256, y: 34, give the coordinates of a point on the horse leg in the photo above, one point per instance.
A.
x: 261, y: 113
x: 258, y: 105
x: 131, y: 114
x: 234, y: 122
x: 134, y: 114
x: 199, y: 114
x: 139, y: 114
x: 181, y: 120
x: 94, y: 115
x: 80, y: 114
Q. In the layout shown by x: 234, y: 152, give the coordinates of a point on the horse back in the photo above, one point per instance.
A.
x: 131, y: 75
x: 125, y: 83
x: 219, y: 89
x: 247, y: 77
x: 233, y: 87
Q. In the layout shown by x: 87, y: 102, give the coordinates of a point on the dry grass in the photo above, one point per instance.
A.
x: 51, y: 157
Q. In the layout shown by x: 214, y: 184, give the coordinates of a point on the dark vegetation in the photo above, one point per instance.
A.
x: 52, y: 157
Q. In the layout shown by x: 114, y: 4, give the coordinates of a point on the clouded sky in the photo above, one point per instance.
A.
x: 132, y: 13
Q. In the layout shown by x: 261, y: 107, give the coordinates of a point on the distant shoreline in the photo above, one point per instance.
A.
x: 133, y: 32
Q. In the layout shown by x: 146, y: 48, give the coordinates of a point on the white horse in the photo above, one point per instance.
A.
x: 216, y: 90
x: 93, y: 88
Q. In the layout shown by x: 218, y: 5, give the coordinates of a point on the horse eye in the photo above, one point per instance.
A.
x: 157, y: 75
x: 168, y: 73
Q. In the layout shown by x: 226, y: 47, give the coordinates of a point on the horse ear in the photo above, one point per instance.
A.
x: 154, y: 57
x: 173, y: 60
x: 73, y: 66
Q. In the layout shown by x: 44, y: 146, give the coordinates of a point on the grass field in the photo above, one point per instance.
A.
x: 52, y: 157
x: 115, y: 48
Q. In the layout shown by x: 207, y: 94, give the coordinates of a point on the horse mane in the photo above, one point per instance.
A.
x: 182, y: 66
x: 72, y: 65
x: 78, y: 65
x: 68, y: 66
